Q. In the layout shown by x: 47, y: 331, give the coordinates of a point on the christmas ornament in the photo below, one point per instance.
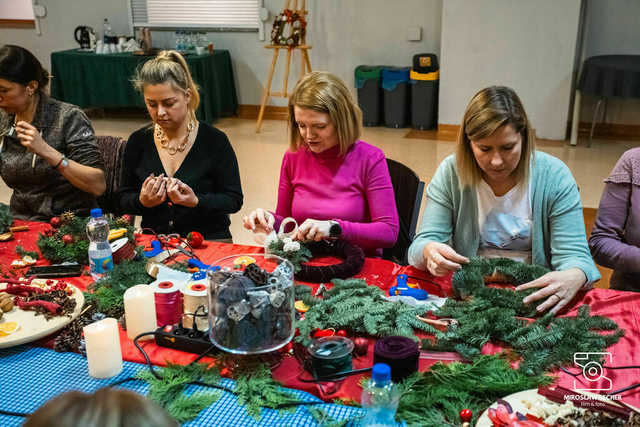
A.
x: 341, y: 333
x: 466, y: 416
x: 195, y: 239
x: 67, y: 239
x: 360, y: 346
x: 55, y: 222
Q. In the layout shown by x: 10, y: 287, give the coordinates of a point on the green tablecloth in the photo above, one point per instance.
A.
x: 89, y: 81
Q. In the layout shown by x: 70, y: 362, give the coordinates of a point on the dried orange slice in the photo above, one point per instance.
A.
x: 243, y: 260
x: 301, y: 306
x: 7, y: 328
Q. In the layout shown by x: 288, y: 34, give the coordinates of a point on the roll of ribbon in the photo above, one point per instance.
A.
x: 195, y: 301
x: 402, y: 354
x: 330, y: 356
x: 122, y: 249
x: 168, y: 297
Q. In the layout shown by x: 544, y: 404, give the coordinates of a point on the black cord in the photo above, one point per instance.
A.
x: 200, y: 383
x: 335, y: 377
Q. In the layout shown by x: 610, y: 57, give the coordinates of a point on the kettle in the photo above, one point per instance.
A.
x: 86, y: 37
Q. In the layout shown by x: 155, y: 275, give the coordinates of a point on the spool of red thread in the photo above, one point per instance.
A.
x: 168, y: 303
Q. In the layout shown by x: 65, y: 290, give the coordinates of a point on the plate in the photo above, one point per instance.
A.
x: 531, y: 395
x: 34, y: 327
x: 515, y: 400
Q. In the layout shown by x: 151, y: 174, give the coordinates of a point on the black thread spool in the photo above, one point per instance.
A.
x: 330, y: 356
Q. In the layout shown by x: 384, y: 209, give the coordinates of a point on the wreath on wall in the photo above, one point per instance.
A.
x: 292, y: 21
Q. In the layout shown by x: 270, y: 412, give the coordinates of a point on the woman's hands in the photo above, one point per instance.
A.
x: 259, y: 220
x: 313, y: 229
x: 153, y: 191
x: 30, y: 138
x: 156, y: 189
x: 559, y: 287
x: 181, y: 194
x: 441, y: 259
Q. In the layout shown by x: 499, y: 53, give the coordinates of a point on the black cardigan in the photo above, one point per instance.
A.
x: 210, y: 168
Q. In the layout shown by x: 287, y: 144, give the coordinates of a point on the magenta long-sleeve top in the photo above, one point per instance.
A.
x: 354, y: 189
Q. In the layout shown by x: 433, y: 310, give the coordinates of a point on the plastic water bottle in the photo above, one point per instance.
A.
x: 107, y: 32
x: 380, y: 398
x: 100, y: 256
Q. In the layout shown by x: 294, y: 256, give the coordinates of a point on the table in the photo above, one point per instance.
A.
x: 605, y: 76
x: 89, y: 80
x: 622, y: 307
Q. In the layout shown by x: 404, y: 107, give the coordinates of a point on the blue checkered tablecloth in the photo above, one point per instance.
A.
x: 33, y: 375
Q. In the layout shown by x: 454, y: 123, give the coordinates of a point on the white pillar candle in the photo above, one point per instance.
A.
x: 102, y: 341
x: 140, y: 311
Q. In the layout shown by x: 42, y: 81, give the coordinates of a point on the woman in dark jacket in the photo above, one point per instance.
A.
x: 48, y: 150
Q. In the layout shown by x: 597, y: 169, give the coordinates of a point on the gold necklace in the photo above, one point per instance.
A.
x: 164, y: 141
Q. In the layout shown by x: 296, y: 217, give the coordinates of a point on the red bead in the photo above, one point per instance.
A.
x: 341, y: 333
x: 466, y: 416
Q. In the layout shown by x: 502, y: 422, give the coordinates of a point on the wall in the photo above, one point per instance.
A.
x: 526, y: 45
x: 343, y: 34
x: 611, y: 28
x: 63, y: 16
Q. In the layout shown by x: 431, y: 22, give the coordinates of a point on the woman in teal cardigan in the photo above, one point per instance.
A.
x: 497, y: 196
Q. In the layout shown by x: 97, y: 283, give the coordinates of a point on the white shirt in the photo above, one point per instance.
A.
x: 505, y: 223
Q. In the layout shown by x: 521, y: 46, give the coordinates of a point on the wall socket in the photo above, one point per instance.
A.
x: 414, y: 34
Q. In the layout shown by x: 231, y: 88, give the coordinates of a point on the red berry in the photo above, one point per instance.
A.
x: 55, y: 222
x: 128, y: 218
x: 67, y: 239
x: 341, y: 333
x: 466, y: 416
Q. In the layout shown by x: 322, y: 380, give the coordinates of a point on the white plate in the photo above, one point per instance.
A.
x: 515, y: 400
x: 34, y: 327
x: 531, y: 395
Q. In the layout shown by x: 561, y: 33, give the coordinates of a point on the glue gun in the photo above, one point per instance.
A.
x: 402, y: 288
x: 199, y: 275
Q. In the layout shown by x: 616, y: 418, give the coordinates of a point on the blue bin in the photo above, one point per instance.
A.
x: 395, y: 87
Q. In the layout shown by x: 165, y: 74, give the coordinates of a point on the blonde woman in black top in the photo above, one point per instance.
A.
x: 180, y: 174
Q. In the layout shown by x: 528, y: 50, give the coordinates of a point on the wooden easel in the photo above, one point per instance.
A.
x: 305, y: 64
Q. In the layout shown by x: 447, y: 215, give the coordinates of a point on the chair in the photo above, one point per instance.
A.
x: 408, y: 190
x: 112, y: 150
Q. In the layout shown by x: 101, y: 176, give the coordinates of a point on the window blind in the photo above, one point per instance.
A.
x: 195, y: 13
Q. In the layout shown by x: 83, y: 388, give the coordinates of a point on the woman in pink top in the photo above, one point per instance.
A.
x: 333, y: 184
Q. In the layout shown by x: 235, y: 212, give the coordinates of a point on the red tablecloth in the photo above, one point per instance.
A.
x: 622, y: 307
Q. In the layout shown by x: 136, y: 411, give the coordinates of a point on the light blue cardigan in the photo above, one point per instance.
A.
x: 558, y: 238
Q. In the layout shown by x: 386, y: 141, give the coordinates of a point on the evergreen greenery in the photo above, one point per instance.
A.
x: 358, y: 308
x: 296, y: 258
x: 22, y: 253
x: 106, y: 294
x: 6, y: 219
x: 55, y: 250
x: 169, y: 390
x: 435, y: 397
x: 495, y: 314
x: 255, y: 389
x: 468, y: 280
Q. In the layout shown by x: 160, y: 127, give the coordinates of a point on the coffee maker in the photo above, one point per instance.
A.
x: 86, y: 37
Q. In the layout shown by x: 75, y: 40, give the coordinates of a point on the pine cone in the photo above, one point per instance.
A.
x: 67, y: 217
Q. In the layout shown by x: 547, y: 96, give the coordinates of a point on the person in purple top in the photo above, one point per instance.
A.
x: 331, y: 183
x: 615, y: 239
